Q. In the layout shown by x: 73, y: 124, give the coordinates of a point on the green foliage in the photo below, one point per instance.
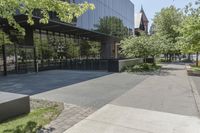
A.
x: 4, y: 38
x: 65, y: 11
x: 195, y: 69
x: 112, y: 26
x: 72, y: 49
x: 166, y: 21
x: 89, y: 49
x: 55, y: 47
x: 31, y: 122
x: 145, y: 67
x: 165, y: 24
x: 189, y: 40
x: 142, y: 46
x: 51, y: 48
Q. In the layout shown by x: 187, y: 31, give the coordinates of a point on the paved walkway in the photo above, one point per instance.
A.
x: 93, y: 93
x: 84, y: 91
x: 70, y: 116
x: 35, y: 83
x: 161, y: 104
x: 168, y: 92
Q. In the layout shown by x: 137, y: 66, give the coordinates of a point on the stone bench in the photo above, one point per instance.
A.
x: 12, y: 105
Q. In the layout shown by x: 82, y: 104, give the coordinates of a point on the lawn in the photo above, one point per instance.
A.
x: 42, y: 113
x: 195, y: 69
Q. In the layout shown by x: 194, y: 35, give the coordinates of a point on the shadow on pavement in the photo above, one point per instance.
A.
x: 33, y: 83
x: 164, y: 71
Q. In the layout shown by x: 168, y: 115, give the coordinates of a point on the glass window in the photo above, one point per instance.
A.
x: 115, y: 9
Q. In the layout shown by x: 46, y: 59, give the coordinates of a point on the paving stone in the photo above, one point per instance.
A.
x: 70, y: 116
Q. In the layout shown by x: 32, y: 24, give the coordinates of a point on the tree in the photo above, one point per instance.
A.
x: 89, y: 48
x: 165, y: 24
x: 112, y: 26
x: 4, y: 38
x: 143, y: 46
x: 65, y: 11
x: 189, y: 40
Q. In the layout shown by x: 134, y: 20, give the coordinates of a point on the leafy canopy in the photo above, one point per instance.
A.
x: 165, y: 24
x: 142, y: 46
x: 189, y: 40
x: 166, y: 21
x: 65, y: 11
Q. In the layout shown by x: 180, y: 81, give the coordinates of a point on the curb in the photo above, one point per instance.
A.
x: 195, y: 93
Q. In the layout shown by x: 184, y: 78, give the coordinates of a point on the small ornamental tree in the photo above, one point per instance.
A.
x: 143, y: 47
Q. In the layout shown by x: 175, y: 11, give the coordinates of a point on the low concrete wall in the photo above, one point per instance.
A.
x: 118, y: 65
x: 12, y: 105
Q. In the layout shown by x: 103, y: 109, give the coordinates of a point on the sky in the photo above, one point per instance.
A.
x: 152, y: 6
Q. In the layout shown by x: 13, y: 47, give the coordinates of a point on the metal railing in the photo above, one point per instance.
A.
x: 75, y: 64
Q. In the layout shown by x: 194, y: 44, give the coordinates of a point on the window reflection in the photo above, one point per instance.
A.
x: 123, y: 11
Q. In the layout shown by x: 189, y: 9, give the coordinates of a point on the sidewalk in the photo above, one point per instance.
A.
x: 161, y: 104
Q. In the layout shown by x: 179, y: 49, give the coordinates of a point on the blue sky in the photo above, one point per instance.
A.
x: 153, y: 6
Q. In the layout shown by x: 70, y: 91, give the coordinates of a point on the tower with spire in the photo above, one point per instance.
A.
x: 141, y: 22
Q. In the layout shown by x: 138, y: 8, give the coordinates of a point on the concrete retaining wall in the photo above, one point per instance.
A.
x: 118, y: 65
x: 12, y: 105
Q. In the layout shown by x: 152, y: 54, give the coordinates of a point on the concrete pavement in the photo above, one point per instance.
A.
x: 83, y: 88
x: 161, y: 104
x: 170, y: 91
x: 120, y: 119
x: 83, y: 92
x: 196, y: 81
x: 35, y: 83
x: 93, y: 93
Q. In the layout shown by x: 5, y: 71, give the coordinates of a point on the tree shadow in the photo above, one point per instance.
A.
x: 30, y: 127
x: 161, y: 72
x: 172, y: 69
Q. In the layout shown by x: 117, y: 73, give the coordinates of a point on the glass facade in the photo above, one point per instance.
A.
x: 123, y: 10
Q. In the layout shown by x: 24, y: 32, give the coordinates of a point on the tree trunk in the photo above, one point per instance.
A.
x: 154, y: 60
x: 175, y: 57
x: 145, y: 60
x: 170, y: 57
x: 167, y: 57
x: 197, y: 59
x: 189, y: 56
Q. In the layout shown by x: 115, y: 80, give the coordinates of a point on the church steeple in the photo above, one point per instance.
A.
x: 141, y: 10
x: 141, y: 23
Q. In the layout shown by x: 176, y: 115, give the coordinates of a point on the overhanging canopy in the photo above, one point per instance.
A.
x: 65, y: 28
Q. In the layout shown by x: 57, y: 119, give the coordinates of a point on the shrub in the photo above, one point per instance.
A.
x: 145, y: 67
